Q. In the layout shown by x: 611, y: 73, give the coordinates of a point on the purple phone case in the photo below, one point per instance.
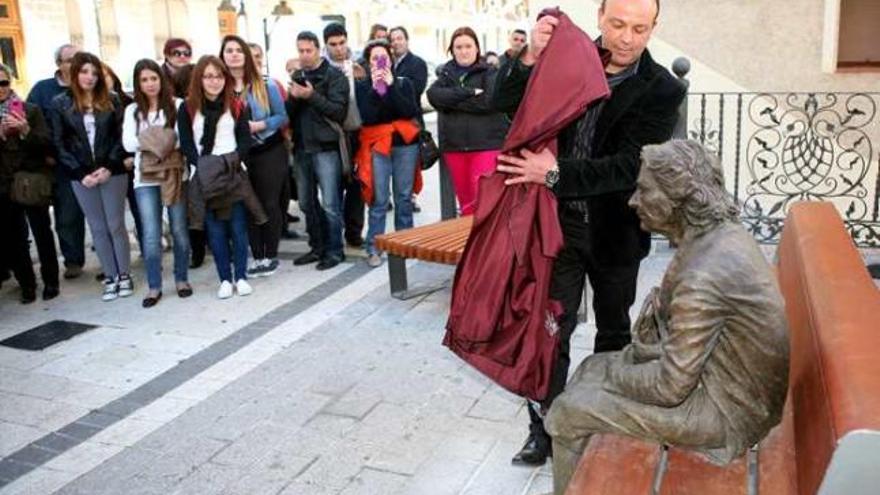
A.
x: 380, y: 86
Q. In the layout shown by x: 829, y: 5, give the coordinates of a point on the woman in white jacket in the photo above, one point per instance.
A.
x: 155, y: 106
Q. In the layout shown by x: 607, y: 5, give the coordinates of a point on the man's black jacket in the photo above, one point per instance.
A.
x: 308, y: 118
x: 642, y: 110
x: 415, y: 69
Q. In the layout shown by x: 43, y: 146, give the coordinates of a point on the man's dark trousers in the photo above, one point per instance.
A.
x: 614, y: 291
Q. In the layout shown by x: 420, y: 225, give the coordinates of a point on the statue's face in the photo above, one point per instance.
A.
x: 653, y: 206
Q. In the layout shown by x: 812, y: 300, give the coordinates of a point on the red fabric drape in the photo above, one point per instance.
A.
x: 502, y: 320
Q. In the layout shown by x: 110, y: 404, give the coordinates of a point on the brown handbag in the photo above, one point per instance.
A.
x: 31, y: 188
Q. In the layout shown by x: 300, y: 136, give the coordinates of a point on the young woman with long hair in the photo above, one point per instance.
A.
x: 154, y: 111
x: 212, y: 122
x: 86, y: 130
x: 267, y: 160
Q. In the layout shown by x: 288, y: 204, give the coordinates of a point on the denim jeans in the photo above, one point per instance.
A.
x: 397, y: 174
x: 70, y: 223
x: 220, y: 233
x: 149, y: 200
x: 314, y: 171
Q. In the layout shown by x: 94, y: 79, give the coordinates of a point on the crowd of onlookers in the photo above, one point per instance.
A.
x: 208, y: 156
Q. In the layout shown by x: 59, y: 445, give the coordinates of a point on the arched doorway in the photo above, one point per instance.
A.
x: 12, y: 50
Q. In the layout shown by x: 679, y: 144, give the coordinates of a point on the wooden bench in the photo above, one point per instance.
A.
x: 829, y: 439
x: 441, y: 242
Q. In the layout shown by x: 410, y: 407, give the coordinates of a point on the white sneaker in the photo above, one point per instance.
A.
x: 243, y: 288
x: 374, y: 261
x: 225, y: 291
x: 111, y: 289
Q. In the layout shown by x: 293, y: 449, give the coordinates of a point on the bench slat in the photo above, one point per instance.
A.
x: 615, y: 465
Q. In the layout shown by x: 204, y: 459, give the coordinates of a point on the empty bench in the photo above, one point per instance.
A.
x: 441, y: 242
x: 829, y: 439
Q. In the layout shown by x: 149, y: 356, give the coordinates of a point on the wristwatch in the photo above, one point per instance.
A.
x: 551, y: 178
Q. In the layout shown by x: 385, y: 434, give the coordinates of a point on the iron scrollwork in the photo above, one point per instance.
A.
x: 810, y: 147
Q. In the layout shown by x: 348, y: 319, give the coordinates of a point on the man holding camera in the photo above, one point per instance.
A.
x: 319, y: 95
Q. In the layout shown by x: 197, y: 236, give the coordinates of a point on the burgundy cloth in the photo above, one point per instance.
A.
x: 502, y: 320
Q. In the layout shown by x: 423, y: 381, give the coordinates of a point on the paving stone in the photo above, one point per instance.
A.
x: 85, y: 457
x: 126, y: 432
x: 32, y: 455
x: 14, y: 436
x: 497, y: 475
x: 255, y: 444
x: 370, y: 482
x: 441, y: 475
x: 269, y: 476
x: 38, y: 482
x: 541, y: 484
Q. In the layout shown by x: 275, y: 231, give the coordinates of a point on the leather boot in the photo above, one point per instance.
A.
x: 537, y: 448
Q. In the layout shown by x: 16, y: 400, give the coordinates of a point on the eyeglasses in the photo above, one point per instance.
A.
x: 181, y: 53
x: 4, y: 83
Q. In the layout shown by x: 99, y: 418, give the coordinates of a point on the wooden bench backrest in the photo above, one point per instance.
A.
x: 833, y: 310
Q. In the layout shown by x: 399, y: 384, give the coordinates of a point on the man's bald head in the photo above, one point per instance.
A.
x: 656, y: 3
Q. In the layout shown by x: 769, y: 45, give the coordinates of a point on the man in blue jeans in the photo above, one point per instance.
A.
x: 69, y: 220
x: 318, y: 99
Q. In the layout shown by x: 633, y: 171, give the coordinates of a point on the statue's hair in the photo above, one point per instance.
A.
x: 691, y: 176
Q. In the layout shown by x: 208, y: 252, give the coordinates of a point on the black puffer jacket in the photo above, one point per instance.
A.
x: 308, y: 118
x: 467, y: 122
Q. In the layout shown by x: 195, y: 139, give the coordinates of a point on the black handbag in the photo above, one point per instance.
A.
x: 428, y: 150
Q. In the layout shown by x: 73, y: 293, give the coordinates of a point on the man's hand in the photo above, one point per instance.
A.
x: 531, y: 168
x: 540, y: 36
x: 101, y: 175
x: 300, y: 91
x: 89, y: 181
x: 128, y: 163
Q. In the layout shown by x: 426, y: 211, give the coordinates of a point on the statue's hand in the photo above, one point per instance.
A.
x: 645, y: 329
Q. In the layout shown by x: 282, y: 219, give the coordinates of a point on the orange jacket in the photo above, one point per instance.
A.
x: 379, y: 138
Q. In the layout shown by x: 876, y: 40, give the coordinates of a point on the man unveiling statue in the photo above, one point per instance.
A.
x: 707, y: 368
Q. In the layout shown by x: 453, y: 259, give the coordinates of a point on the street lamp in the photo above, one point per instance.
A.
x: 282, y: 9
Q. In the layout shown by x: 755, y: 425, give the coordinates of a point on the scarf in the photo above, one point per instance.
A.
x: 212, y: 111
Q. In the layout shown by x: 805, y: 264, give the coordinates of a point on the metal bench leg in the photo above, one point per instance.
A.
x: 399, y: 285
x: 397, y: 275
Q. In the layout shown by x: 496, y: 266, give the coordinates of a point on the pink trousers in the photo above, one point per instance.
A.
x: 466, y: 168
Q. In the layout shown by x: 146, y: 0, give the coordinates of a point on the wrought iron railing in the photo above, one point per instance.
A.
x: 779, y: 148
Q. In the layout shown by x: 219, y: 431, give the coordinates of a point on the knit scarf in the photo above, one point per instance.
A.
x: 212, y: 111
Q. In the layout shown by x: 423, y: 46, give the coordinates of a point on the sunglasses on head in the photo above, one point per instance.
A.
x: 181, y: 53
x: 4, y: 83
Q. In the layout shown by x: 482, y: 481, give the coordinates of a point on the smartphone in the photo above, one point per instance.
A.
x: 380, y: 86
x: 298, y: 77
x: 16, y: 107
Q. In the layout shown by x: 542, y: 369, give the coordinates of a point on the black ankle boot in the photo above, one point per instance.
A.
x: 537, y: 449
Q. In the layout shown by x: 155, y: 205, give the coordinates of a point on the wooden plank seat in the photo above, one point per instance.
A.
x: 441, y: 242
x: 829, y: 439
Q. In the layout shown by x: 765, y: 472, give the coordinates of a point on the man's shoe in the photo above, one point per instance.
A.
x: 535, y: 451
x: 196, y: 262
x: 328, y: 263
x: 270, y: 267
x: 310, y: 257
x: 50, y: 292
x: 290, y: 235
x: 256, y: 269
x: 72, y: 271
x: 28, y: 295
x: 292, y: 218
x: 355, y: 242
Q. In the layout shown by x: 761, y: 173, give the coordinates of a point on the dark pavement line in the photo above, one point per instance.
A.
x: 46, y: 448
